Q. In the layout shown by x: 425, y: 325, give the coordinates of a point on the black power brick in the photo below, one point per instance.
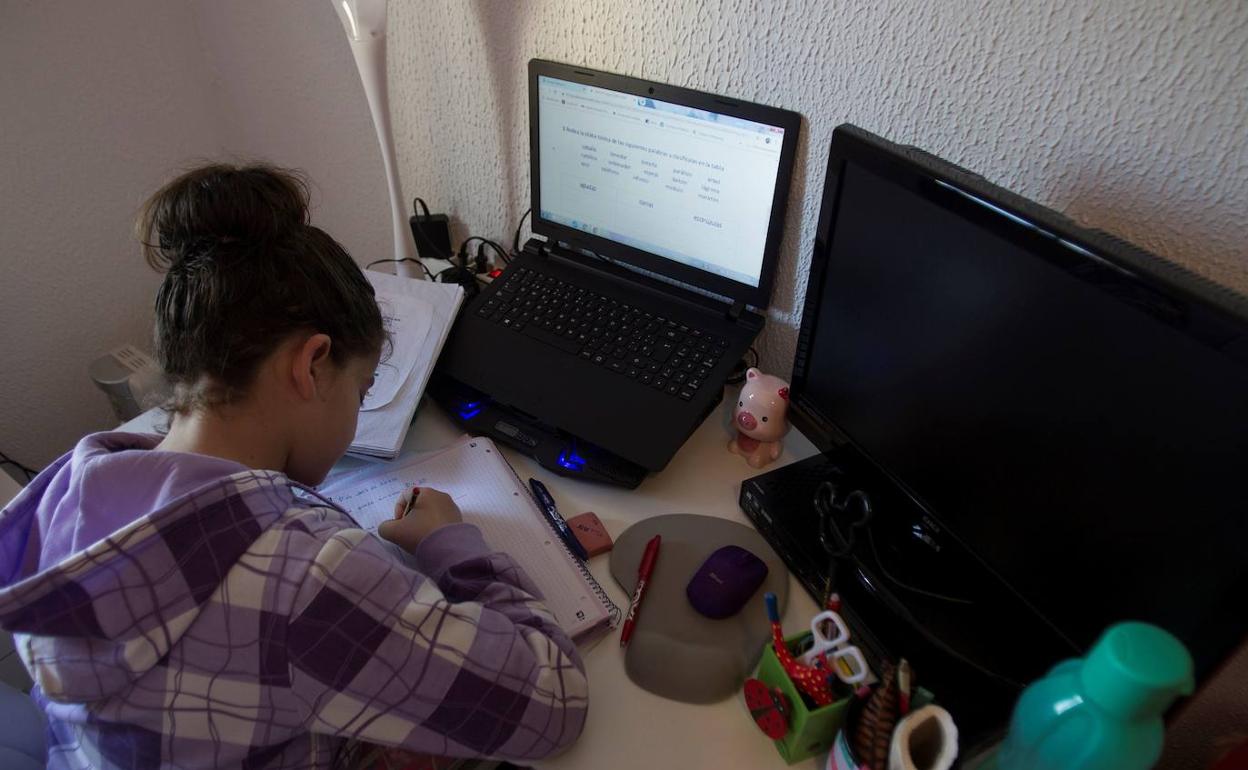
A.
x: 432, y: 233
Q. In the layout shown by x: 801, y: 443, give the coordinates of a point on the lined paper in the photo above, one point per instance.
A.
x: 489, y: 495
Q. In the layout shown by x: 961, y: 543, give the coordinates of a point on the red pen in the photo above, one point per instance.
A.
x: 644, y: 570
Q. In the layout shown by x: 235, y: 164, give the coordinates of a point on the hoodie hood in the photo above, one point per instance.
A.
x: 107, y: 557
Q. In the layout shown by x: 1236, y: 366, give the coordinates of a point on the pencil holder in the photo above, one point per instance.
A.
x: 811, y: 731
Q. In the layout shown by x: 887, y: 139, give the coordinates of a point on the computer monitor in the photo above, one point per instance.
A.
x: 682, y: 183
x: 1071, y: 409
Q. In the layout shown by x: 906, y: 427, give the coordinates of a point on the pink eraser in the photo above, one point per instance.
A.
x: 591, y: 533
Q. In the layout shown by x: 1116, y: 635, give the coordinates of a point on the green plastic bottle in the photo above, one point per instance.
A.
x: 1101, y: 712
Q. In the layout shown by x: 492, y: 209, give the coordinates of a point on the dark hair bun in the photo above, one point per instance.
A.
x: 244, y: 271
x: 219, y: 211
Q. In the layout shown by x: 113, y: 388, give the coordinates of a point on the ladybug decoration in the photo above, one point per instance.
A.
x: 769, y: 707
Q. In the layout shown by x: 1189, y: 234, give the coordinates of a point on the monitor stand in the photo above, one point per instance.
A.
x: 555, y: 450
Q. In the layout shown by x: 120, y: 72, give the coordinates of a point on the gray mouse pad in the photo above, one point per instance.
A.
x: 675, y: 651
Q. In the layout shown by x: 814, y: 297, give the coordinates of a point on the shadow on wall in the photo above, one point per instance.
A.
x: 784, y: 315
x: 1155, y: 220
x: 500, y: 42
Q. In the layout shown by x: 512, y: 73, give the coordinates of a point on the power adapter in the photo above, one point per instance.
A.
x: 432, y: 232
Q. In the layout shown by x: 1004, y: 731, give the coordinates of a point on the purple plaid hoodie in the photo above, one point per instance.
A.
x: 228, y: 617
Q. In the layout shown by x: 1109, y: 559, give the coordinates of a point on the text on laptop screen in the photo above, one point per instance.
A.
x: 690, y: 185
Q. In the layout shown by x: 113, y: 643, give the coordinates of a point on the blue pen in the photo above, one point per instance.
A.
x: 547, y: 504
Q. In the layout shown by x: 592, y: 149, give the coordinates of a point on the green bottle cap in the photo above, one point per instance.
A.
x: 1136, y: 670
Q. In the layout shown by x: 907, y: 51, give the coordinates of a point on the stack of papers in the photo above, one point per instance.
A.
x: 418, y: 315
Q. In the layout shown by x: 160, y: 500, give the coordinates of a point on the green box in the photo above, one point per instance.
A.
x: 810, y: 732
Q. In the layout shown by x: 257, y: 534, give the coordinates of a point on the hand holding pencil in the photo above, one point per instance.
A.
x: 417, y: 513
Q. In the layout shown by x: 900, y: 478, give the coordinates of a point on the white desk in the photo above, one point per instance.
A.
x: 629, y: 728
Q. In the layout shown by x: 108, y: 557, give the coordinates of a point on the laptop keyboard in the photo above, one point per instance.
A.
x: 658, y: 352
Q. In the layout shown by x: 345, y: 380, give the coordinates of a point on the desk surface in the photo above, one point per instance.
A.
x: 627, y: 726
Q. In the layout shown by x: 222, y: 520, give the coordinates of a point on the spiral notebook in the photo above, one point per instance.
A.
x: 491, y: 496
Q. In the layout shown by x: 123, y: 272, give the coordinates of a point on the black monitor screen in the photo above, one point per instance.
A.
x: 1080, y: 428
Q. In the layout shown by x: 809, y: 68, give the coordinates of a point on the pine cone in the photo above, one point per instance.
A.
x: 877, y: 721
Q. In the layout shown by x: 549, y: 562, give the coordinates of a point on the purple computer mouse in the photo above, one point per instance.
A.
x: 725, y: 582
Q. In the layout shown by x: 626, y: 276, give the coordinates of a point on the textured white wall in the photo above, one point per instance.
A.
x: 1126, y: 115
x: 98, y: 101
x: 285, y: 85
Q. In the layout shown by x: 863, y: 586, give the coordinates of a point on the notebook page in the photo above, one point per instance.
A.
x: 380, y: 431
x: 489, y: 496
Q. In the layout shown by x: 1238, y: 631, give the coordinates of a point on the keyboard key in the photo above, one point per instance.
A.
x: 660, y: 382
x: 645, y: 378
x: 679, y: 377
x: 663, y: 351
x: 693, y: 384
x: 633, y: 371
x: 686, y: 394
x: 672, y: 388
x: 599, y: 359
x: 616, y: 366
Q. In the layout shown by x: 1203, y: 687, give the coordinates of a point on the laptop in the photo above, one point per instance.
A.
x: 657, y: 213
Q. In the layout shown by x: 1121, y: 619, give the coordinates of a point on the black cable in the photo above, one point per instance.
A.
x: 842, y: 547
x: 498, y: 249
x: 515, y: 242
x: 29, y: 472
x: 463, y: 251
x: 404, y: 259
x: 424, y: 207
x: 738, y: 372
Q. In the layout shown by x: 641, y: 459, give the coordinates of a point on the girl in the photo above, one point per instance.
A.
x: 191, y: 602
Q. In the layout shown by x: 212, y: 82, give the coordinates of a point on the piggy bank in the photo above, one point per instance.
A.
x: 759, y: 418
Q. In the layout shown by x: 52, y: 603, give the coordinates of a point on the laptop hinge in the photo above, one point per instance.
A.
x: 735, y: 311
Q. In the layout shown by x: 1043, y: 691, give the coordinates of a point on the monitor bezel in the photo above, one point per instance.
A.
x: 1205, y: 311
x: 1210, y: 314
x: 754, y: 296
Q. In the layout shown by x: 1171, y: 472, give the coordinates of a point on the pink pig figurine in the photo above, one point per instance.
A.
x: 759, y: 418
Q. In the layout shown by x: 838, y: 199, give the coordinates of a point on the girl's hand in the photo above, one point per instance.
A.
x: 431, y: 510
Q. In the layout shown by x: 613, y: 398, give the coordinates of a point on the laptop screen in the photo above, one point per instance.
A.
x: 694, y: 186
